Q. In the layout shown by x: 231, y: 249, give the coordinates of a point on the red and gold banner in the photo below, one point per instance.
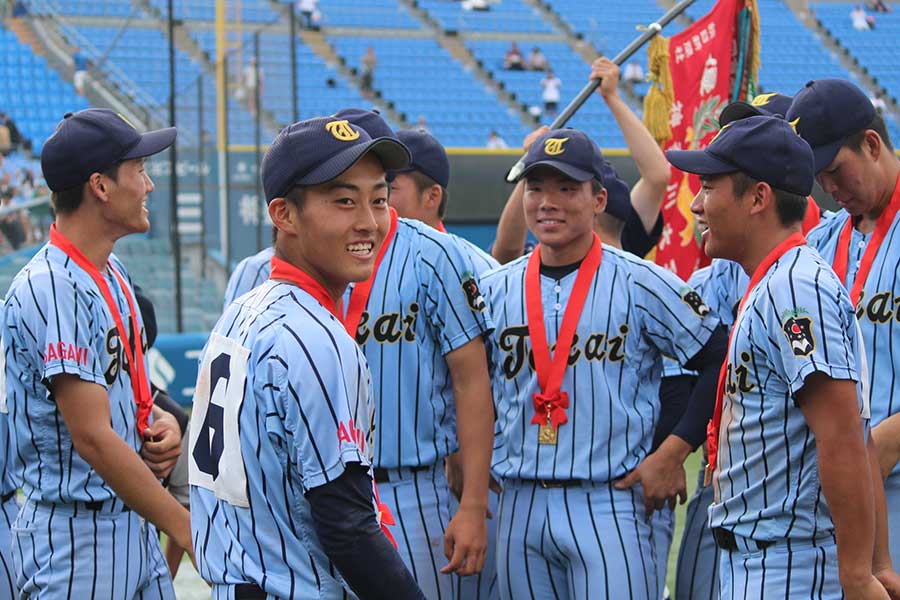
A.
x: 704, y: 61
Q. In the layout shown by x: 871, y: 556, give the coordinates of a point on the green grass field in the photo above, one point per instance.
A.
x: 189, y: 586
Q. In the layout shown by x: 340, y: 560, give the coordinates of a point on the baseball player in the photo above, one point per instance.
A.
x: 855, y: 163
x: 576, y: 422
x: 9, y: 507
x: 282, y: 498
x: 420, y: 192
x: 254, y: 270
x: 78, y: 396
x: 787, y: 440
x: 644, y: 223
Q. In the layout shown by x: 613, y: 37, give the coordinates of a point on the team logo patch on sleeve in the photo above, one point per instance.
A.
x: 799, y: 334
x: 693, y: 299
x: 473, y: 295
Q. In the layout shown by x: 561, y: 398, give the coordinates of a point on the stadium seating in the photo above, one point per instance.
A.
x: 370, y: 14
x: 251, y: 11
x: 33, y: 94
x: 875, y: 50
x: 503, y: 17
x: 99, y: 8
x: 321, y: 90
x: 458, y: 109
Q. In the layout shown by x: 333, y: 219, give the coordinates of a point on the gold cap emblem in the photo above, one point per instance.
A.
x: 554, y: 146
x: 763, y: 99
x: 342, y: 130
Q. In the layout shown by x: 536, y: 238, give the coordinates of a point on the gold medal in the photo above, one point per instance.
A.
x: 547, y: 434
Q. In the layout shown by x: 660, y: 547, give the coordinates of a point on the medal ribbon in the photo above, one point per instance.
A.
x: 841, y: 255
x: 712, y: 428
x: 140, y: 384
x: 551, y: 403
x: 440, y: 227
x: 281, y: 269
x: 359, y: 295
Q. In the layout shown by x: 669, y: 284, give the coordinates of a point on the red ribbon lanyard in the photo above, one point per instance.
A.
x: 813, y: 215
x: 712, y: 428
x: 551, y: 403
x: 841, y: 255
x: 140, y: 384
x: 440, y: 227
x: 359, y: 296
x: 285, y: 271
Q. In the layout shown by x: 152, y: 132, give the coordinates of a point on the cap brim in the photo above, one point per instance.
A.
x: 392, y: 154
x: 699, y: 162
x: 824, y: 155
x: 568, y: 170
x: 151, y: 143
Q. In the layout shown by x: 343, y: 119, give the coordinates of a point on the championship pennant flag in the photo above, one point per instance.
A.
x: 694, y: 75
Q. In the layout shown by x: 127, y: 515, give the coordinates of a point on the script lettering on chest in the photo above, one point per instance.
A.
x: 513, y: 341
x: 880, y: 309
x: 390, y: 327
x: 738, y: 377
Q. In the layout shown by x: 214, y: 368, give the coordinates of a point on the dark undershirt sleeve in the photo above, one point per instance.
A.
x: 708, y: 363
x: 636, y: 239
x: 674, y: 393
x: 344, y: 520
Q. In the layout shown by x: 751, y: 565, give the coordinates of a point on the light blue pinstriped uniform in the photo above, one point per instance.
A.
x: 249, y: 273
x: 56, y: 322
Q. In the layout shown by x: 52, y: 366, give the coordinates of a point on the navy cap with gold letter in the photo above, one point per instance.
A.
x: 317, y: 150
x: 569, y: 151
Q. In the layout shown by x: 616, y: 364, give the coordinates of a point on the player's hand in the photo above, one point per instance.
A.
x: 162, y: 445
x: 529, y: 139
x: 663, y: 480
x: 865, y: 589
x: 465, y: 541
x: 608, y: 73
x: 891, y: 582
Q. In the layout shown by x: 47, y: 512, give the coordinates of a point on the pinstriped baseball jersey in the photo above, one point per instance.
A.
x: 283, y: 404
x: 424, y: 303
x: 798, y: 320
x: 878, y: 310
x: 614, y: 367
x: 57, y: 322
x: 249, y: 273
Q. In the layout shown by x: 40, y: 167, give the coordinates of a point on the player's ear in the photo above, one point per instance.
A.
x: 599, y: 200
x: 872, y: 144
x: 433, y: 196
x: 282, y: 215
x: 99, y: 186
x: 763, y: 197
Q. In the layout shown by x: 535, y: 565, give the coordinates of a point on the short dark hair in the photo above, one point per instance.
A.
x: 877, y: 124
x: 424, y: 182
x: 596, y: 186
x: 791, y: 207
x: 67, y: 201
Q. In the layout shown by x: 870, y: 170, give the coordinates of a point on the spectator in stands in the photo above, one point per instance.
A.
x: 495, y: 141
x: 19, y: 9
x: 475, y: 5
x: 879, y: 103
x: 13, y: 223
x: 512, y: 60
x: 550, y: 85
x: 634, y: 73
x: 15, y: 136
x: 369, y: 61
x: 421, y: 125
x: 537, y: 61
x: 880, y: 6
x: 860, y: 18
x: 307, y: 9
x: 81, y: 63
x: 248, y: 83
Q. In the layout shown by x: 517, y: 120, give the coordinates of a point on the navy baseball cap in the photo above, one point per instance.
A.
x: 769, y: 105
x: 93, y: 140
x: 569, y: 151
x: 318, y: 150
x: 618, y: 195
x: 765, y: 148
x: 828, y: 111
x: 428, y: 155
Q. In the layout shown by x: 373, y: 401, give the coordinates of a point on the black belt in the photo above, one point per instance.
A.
x: 381, y: 474
x: 7, y: 497
x: 558, y: 483
x: 248, y: 591
x: 726, y: 541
